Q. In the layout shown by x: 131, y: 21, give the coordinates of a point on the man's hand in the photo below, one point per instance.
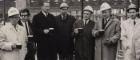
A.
x: 99, y: 33
x: 8, y: 46
x: 107, y: 42
x: 76, y: 31
x: 46, y: 31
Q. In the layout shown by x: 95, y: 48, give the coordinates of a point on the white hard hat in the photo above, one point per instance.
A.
x: 88, y: 8
x: 13, y: 11
x: 105, y: 6
x: 64, y: 5
x: 132, y: 6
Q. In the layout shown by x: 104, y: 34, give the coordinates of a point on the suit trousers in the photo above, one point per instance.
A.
x: 31, y: 50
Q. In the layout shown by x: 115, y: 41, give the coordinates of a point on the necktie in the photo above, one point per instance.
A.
x: 64, y: 17
x: 86, y: 21
x: 134, y: 22
x: 27, y: 29
x: 103, y: 23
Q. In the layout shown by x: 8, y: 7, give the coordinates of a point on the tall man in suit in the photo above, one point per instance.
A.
x: 25, y: 22
x: 64, y: 29
x: 84, y: 41
x: 44, y: 28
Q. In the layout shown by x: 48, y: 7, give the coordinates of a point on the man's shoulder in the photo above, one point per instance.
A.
x: 115, y: 20
x: 71, y: 16
x: 37, y: 14
x: 126, y: 21
x: 50, y: 14
x: 58, y: 15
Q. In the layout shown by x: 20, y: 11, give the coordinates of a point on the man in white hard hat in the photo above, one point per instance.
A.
x: 84, y: 41
x: 44, y: 32
x: 64, y: 29
x: 14, y: 44
x: 130, y: 34
x: 107, y: 34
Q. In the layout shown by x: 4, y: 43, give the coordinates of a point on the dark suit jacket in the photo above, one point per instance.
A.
x: 45, y: 42
x: 29, y: 25
x: 31, y: 41
x: 64, y: 29
x: 85, y: 42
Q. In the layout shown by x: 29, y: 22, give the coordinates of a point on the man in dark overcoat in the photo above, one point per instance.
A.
x: 84, y: 41
x: 64, y: 31
x: 44, y: 32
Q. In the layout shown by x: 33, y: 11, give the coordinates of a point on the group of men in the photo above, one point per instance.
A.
x: 63, y: 36
x: 66, y: 36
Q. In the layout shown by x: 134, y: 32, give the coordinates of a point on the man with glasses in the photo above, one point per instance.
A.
x: 25, y: 22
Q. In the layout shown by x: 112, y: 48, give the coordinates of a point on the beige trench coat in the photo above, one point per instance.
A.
x: 130, y: 36
x: 12, y: 36
x: 112, y: 32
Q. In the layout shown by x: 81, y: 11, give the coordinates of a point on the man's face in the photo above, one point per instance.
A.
x: 46, y: 7
x: 14, y: 19
x: 132, y: 13
x: 24, y: 16
x: 86, y: 14
x: 106, y: 13
x: 64, y: 10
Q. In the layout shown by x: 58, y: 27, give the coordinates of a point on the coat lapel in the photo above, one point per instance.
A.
x: 89, y: 22
x: 20, y: 23
x: 42, y: 14
x: 60, y: 17
x: 137, y: 23
x: 81, y: 23
x: 108, y: 23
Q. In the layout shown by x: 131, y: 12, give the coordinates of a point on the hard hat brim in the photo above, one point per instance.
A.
x: 132, y: 8
x: 104, y: 9
x: 64, y: 7
x: 88, y: 10
x: 13, y: 15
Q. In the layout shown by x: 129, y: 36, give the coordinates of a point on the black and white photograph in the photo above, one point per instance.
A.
x: 69, y: 29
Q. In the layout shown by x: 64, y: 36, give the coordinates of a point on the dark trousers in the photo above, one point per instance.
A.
x: 65, y: 53
x: 46, y: 55
x: 46, y: 51
x: 31, y: 51
x: 65, y: 56
x: 83, y: 57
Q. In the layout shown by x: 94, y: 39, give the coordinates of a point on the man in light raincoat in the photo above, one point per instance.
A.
x: 12, y: 38
x: 107, y: 34
x: 130, y: 34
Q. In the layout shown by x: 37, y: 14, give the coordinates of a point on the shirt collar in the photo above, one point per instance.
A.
x: 136, y: 19
x: 86, y: 20
x: 45, y: 14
